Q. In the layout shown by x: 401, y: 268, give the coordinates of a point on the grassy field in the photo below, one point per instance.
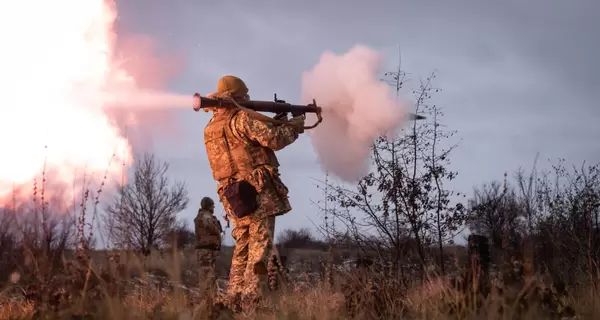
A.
x: 162, y: 286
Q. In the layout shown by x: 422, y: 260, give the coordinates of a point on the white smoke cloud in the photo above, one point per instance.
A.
x: 357, y: 108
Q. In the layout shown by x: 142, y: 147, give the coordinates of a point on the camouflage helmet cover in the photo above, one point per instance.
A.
x: 206, y: 203
x: 233, y: 85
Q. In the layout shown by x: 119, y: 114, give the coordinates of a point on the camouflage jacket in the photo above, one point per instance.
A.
x: 208, y: 230
x: 256, y: 134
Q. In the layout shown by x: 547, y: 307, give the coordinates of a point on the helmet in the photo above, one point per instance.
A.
x: 206, y: 203
x: 233, y: 85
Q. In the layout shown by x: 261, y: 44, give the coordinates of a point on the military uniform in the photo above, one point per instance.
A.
x: 208, y: 243
x: 241, y: 148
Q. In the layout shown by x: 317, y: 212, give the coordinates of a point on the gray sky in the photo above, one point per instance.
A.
x: 518, y: 77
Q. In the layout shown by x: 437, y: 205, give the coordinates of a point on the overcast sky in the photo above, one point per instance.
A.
x: 518, y: 77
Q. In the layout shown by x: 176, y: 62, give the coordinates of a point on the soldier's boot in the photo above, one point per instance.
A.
x: 273, y: 274
x: 250, y: 301
x: 252, y: 297
x: 233, y: 302
x: 221, y: 310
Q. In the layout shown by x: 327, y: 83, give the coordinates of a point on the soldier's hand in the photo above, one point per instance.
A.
x: 282, y: 116
x: 298, y: 123
x: 226, y: 218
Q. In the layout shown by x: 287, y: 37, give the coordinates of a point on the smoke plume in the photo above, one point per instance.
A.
x: 357, y: 108
x: 145, y: 107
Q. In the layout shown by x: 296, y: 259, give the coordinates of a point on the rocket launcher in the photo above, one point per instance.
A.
x: 279, y: 107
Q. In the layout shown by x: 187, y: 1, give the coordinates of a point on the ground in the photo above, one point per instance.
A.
x: 162, y: 286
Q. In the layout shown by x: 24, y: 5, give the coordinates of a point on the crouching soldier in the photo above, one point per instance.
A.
x: 208, y: 244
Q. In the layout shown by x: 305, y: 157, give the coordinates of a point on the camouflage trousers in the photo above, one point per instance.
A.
x: 207, y: 277
x: 248, y: 275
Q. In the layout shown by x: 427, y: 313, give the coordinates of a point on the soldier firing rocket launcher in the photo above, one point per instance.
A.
x: 280, y: 107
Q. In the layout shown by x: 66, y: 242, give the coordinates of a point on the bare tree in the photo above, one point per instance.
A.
x: 144, y: 211
x: 301, y: 238
x: 567, y: 221
x: 404, y: 196
x: 448, y: 218
x: 493, y: 209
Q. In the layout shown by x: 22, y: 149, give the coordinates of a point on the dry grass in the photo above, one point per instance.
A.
x: 161, y: 286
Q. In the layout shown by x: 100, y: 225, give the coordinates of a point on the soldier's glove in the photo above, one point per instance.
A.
x: 298, y: 123
x: 282, y: 116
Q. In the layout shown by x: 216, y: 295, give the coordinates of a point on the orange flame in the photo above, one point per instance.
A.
x: 56, y: 63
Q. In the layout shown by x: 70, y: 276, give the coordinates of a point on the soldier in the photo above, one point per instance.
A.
x: 240, y: 148
x: 208, y: 243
